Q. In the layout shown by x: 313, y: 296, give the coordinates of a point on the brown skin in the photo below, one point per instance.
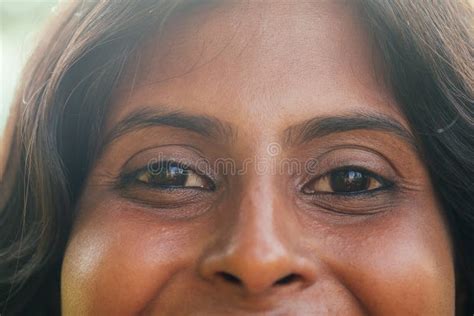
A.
x: 258, y: 244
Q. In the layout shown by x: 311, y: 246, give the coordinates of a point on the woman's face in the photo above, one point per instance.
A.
x: 253, y: 164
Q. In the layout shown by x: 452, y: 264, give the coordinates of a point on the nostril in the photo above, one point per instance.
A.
x: 290, y: 278
x: 229, y: 277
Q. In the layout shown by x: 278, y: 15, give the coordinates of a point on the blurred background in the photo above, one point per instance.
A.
x: 20, y: 21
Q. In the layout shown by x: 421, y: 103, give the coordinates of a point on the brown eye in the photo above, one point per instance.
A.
x: 172, y: 175
x: 345, y: 181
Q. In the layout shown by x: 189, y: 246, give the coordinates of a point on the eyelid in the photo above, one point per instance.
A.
x: 353, y: 155
x: 181, y: 153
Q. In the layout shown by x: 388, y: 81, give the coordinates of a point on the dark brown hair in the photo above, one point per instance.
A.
x: 61, y: 103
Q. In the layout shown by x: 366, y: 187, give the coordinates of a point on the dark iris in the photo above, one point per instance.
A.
x: 168, y: 175
x: 346, y: 181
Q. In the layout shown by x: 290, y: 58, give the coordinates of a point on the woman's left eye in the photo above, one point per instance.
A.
x: 345, y: 181
x: 172, y: 175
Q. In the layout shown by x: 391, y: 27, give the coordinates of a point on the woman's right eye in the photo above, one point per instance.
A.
x: 172, y: 175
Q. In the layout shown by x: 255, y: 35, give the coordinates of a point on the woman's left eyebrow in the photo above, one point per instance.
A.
x: 318, y: 127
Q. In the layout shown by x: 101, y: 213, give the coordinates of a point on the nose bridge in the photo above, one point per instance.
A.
x: 256, y: 232
x: 255, y: 254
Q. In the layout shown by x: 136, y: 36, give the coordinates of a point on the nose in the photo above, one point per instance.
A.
x: 254, y: 256
x: 257, y: 272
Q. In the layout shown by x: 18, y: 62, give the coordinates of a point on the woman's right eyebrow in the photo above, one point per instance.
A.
x: 204, y: 125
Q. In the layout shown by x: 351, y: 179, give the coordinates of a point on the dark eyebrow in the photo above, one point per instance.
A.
x: 206, y: 126
x: 322, y: 126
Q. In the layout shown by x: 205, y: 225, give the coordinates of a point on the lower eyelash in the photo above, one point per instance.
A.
x: 364, y: 193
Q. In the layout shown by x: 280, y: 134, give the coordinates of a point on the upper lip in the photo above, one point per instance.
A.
x: 262, y: 304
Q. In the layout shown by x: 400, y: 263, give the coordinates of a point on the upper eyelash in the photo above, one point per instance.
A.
x: 130, y: 177
x: 146, y: 168
x: 386, y: 184
x: 359, y: 169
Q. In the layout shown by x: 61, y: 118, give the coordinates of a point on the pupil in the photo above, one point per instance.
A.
x: 168, y: 174
x: 349, y: 181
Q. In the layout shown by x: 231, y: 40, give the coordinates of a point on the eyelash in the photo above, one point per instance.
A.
x: 132, y: 178
x: 385, y: 184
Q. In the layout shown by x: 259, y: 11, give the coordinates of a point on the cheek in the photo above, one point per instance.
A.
x: 119, y: 260
x: 402, y: 265
x: 117, y: 264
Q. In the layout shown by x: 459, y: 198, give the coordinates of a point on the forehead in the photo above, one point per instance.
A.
x: 262, y: 64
